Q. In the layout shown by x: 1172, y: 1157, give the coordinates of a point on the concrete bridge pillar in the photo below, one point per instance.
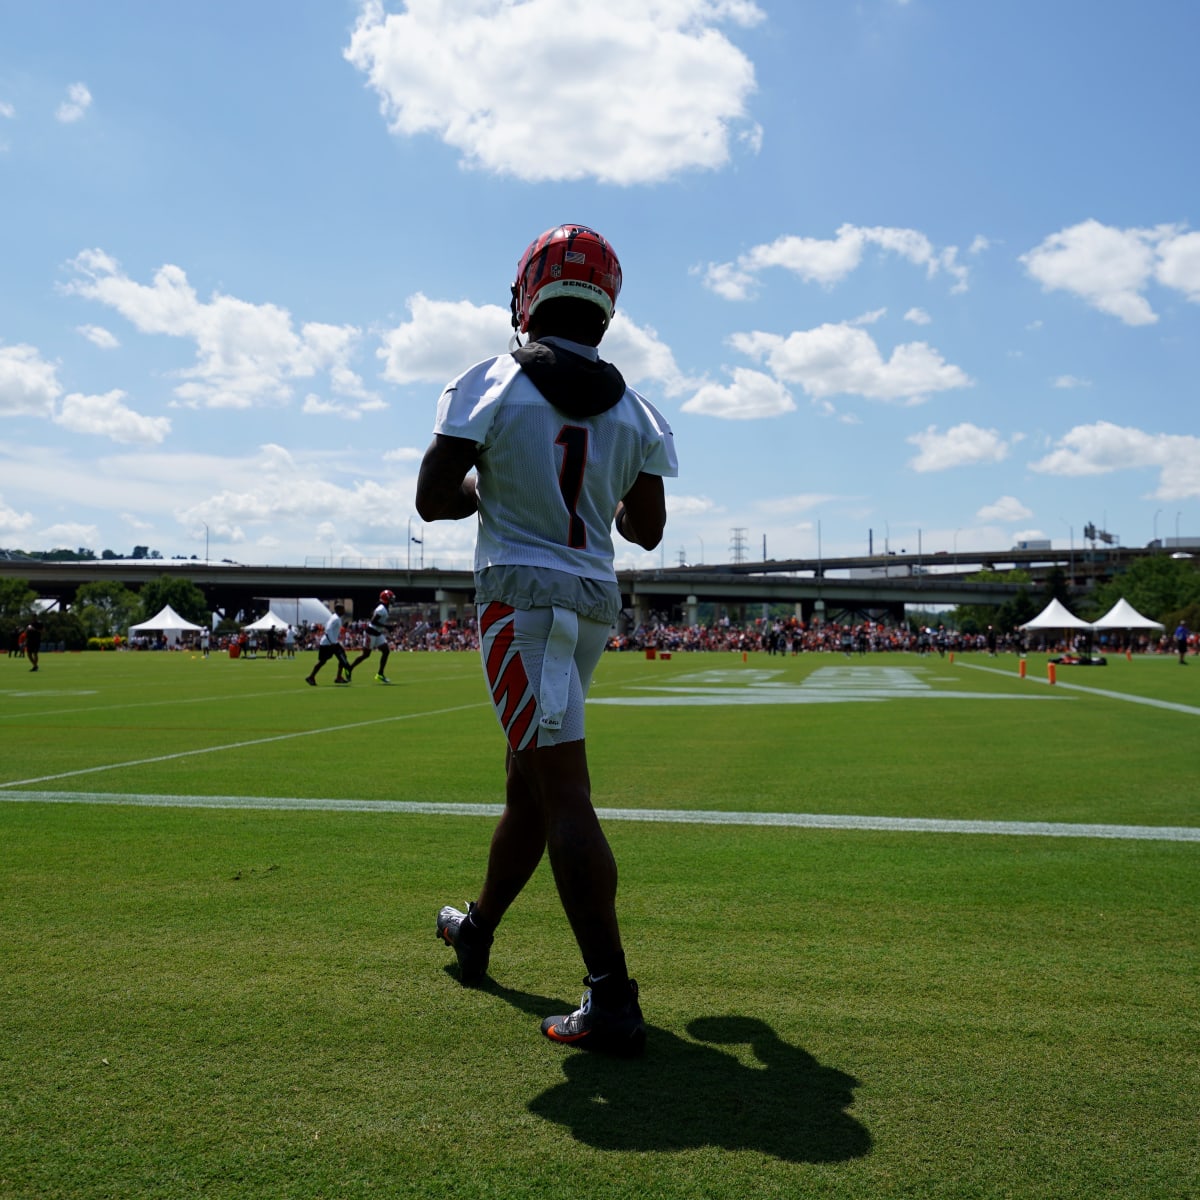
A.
x: 450, y: 604
x: 641, y: 609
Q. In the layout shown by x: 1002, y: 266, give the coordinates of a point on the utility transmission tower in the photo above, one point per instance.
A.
x: 737, y: 545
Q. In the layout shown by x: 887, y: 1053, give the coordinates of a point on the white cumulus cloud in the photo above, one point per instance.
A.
x: 28, y: 384
x: 276, y: 487
x: 623, y: 92
x: 107, y: 416
x: 844, y: 359
x: 961, y: 446
x: 1005, y: 509
x: 1110, y: 268
x: 13, y: 523
x: 1179, y: 264
x: 70, y: 534
x: 751, y: 396
x: 98, y: 336
x: 827, y: 261
x: 246, y: 354
x: 78, y: 101
x: 786, y: 506
x: 1103, y: 447
x: 442, y: 337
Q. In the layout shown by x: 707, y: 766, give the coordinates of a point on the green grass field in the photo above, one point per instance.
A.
x: 219, y: 975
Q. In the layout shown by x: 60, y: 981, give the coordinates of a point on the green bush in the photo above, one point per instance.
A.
x: 101, y: 643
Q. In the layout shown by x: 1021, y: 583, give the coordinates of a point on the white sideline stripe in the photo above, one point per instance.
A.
x: 59, y: 712
x: 279, y: 737
x: 1162, y: 833
x: 1079, y: 687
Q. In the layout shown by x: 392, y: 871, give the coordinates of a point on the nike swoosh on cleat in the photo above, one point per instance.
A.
x: 554, y: 1035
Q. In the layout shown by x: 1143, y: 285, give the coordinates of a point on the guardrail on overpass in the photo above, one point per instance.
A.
x: 232, y: 587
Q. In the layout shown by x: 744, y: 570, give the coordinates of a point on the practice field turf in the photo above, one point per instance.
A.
x: 903, y: 927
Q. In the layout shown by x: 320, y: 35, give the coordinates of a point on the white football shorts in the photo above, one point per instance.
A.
x: 538, y: 664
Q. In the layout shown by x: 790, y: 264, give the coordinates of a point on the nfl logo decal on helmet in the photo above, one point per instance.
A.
x: 568, y: 260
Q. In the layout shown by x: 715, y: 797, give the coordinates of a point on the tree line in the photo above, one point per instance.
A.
x: 100, y: 610
x: 1160, y: 587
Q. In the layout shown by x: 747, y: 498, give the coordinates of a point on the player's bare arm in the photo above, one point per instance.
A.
x: 642, y: 514
x: 445, y: 485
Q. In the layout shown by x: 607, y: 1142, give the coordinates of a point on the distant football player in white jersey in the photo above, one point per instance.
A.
x: 552, y: 450
x: 330, y: 646
x: 377, y: 637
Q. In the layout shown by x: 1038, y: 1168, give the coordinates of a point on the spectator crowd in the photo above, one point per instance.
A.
x: 425, y: 633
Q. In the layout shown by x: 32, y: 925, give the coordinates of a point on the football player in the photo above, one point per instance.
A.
x: 377, y: 637
x: 550, y: 450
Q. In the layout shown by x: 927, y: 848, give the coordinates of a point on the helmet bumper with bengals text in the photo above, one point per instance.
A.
x: 386, y: 596
x: 566, y: 261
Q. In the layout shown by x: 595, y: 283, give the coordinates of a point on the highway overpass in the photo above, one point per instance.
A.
x: 855, y: 585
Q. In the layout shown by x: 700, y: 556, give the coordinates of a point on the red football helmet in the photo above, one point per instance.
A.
x: 386, y: 596
x: 568, y: 260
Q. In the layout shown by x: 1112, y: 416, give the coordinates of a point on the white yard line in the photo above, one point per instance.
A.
x: 1162, y: 833
x: 280, y: 737
x: 1078, y: 687
x: 60, y: 712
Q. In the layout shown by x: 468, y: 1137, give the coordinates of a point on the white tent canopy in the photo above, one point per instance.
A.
x: 299, y: 611
x: 1123, y: 615
x: 270, y: 621
x: 1056, y: 616
x: 168, y: 622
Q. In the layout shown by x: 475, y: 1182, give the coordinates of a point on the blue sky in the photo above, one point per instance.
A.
x: 922, y: 270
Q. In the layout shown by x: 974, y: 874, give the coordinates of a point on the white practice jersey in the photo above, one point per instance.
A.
x: 549, y: 483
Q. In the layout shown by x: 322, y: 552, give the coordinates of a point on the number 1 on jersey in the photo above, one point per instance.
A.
x: 574, y: 441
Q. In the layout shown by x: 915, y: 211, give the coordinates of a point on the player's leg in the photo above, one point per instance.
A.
x: 555, y: 769
x: 609, y: 1018
x: 540, y: 662
x: 323, y: 655
x: 518, y: 843
x: 585, y: 871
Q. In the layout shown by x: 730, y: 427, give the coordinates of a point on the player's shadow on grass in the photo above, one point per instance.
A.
x: 685, y: 1094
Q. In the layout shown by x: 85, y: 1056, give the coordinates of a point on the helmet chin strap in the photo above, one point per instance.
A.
x: 514, y: 342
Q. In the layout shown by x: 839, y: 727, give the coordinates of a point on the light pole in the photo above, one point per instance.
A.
x: 420, y: 542
x: 701, y: 547
x: 205, y: 524
x: 1156, y: 524
x: 1177, y: 516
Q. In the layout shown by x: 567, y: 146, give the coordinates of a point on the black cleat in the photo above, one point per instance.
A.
x: 618, y: 1030
x: 472, y: 946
